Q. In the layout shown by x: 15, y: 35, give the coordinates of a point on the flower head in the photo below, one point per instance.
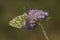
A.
x: 35, y: 15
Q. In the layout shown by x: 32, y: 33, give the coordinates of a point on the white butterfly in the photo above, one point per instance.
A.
x: 19, y: 21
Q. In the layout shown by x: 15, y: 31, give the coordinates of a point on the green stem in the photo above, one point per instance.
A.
x: 44, y: 32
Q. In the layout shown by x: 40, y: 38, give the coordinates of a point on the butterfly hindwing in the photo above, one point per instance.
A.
x: 18, y: 21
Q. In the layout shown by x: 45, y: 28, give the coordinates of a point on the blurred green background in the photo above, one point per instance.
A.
x: 12, y: 8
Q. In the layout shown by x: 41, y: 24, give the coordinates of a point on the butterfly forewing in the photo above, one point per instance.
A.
x: 18, y: 21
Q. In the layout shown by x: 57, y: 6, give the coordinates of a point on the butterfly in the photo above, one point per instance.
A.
x: 19, y: 21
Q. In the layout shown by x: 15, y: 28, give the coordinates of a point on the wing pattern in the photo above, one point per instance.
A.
x: 19, y: 21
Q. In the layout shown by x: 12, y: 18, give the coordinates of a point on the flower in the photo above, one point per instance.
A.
x: 46, y: 13
x: 29, y: 28
x: 34, y: 15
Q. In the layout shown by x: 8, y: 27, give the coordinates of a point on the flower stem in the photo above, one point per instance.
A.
x: 44, y: 32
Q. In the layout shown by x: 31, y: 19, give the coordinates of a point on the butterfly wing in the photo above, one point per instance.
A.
x: 19, y: 21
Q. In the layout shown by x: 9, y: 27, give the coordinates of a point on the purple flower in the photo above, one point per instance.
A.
x: 34, y: 15
x: 29, y: 28
x: 46, y: 14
